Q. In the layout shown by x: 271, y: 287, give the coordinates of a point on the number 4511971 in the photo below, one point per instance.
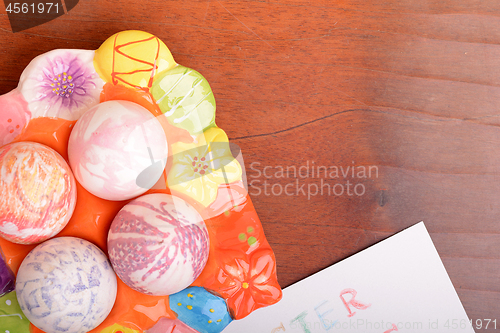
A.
x: 477, y: 324
x: 31, y: 8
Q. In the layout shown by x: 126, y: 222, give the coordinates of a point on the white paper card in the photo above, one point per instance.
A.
x: 396, y: 285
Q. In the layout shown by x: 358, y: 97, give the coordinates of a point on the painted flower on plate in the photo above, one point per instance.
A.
x: 117, y: 328
x: 246, y: 282
x: 12, y: 318
x: 14, y: 116
x: 199, y: 168
x: 7, y: 278
x: 61, y: 83
x: 167, y: 325
x: 185, y: 98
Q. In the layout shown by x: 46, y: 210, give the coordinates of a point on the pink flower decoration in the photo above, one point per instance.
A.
x: 14, y: 116
x: 247, y: 283
x: 229, y: 196
x: 171, y: 326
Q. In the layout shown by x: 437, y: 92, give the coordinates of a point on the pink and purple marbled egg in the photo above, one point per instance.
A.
x: 158, y: 244
x: 112, y: 145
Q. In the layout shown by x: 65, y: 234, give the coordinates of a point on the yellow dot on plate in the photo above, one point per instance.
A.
x: 212, y: 310
x: 190, y: 307
x: 70, y: 77
x: 245, y: 285
x: 209, y: 321
x: 190, y: 295
x: 179, y: 304
x: 219, y: 320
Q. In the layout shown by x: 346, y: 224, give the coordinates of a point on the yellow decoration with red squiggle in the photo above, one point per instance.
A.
x: 132, y: 58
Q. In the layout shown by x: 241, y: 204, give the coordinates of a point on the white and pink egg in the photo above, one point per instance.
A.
x: 112, y: 144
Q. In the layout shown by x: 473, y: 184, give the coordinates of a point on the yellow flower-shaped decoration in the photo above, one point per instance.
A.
x: 116, y: 328
x: 199, y: 168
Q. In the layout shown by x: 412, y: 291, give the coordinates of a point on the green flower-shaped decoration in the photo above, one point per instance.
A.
x: 185, y: 98
x: 12, y: 319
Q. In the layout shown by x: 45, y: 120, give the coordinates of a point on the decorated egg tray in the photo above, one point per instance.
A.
x: 115, y: 180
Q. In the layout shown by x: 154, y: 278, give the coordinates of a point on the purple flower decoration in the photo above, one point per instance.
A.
x: 7, y: 279
x: 61, y: 83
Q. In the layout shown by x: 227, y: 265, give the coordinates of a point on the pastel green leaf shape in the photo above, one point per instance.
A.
x: 186, y: 99
x: 12, y: 319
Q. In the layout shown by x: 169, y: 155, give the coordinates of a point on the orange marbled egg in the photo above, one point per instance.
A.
x: 37, y: 192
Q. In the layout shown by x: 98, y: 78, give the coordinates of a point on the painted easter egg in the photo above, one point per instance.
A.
x: 66, y: 284
x: 185, y: 98
x: 200, y: 309
x: 158, y: 244
x: 117, y: 150
x: 37, y: 192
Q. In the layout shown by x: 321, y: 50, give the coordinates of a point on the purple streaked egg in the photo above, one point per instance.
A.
x: 158, y: 244
x: 66, y: 284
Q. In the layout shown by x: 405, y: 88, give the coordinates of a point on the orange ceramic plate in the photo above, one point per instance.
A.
x: 241, y: 270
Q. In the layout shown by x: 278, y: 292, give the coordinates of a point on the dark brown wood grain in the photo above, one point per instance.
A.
x: 409, y: 87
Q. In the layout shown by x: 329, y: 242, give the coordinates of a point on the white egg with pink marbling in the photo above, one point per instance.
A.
x: 158, y: 244
x: 113, y: 146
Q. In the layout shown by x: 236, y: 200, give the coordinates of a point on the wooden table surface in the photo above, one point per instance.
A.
x: 409, y: 88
